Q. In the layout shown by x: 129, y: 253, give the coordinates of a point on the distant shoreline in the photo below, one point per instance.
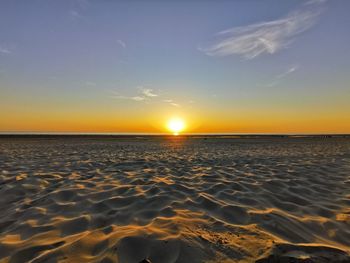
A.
x: 121, y: 136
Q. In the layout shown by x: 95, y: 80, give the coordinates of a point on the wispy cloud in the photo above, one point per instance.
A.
x: 148, y: 92
x: 121, y: 43
x: 78, y: 8
x: 265, y: 37
x: 283, y: 75
x: 311, y: 2
x: 4, y: 50
x: 172, y: 103
x: 135, y: 98
x: 74, y: 14
x: 144, y: 94
x: 287, y: 72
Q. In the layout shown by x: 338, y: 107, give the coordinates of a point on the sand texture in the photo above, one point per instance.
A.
x: 167, y: 200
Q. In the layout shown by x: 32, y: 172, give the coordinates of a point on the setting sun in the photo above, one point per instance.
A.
x: 176, y: 126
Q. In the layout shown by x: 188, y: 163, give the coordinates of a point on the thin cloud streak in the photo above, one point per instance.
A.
x: 172, y: 103
x: 283, y: 75
x: 175, y: 104
x: 5, y: 50
x: 266, y: 37
x: 121, y: 43
x: 287, y: 72
x: 312, y: 2
x: 135, y: 98
x: 145, y: 94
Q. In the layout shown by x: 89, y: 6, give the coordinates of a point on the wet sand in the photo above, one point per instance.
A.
x: 174, y: 199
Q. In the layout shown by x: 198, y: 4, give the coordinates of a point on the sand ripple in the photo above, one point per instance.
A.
x: 174, y: 200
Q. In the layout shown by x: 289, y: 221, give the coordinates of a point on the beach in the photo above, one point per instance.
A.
x: 167, y: 199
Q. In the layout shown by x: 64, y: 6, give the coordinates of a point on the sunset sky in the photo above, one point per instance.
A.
x: 254, y: 66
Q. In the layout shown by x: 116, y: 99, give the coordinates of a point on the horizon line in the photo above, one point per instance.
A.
x: 166, y: 134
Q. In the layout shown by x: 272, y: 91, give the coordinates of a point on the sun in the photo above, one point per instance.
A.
x: 176, y: 126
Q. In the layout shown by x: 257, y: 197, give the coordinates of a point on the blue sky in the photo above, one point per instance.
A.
x: 240, y: 61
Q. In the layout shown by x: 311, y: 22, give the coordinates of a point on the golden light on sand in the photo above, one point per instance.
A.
x: 176, y: 125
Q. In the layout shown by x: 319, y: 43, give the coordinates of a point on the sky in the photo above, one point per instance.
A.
x: 253, y: 66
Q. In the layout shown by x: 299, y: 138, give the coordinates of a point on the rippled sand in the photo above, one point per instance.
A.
x: 175, y: 199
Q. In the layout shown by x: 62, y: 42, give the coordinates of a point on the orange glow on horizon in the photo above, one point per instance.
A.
x: 157, y: 120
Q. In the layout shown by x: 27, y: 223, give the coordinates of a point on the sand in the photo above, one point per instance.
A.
x: 165, y: 200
